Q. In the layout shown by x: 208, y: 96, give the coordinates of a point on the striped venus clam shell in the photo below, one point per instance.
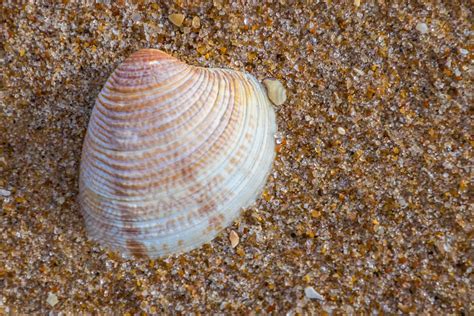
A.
x: 172, y: 153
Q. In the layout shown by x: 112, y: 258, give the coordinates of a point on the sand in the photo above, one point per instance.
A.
x: 366, y: 209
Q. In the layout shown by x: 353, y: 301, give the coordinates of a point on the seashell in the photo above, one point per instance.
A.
x: 172, y: 153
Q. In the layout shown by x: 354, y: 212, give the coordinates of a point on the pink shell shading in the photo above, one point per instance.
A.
x: 172, y: 153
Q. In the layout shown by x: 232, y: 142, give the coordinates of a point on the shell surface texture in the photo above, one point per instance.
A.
x: 172, y: 153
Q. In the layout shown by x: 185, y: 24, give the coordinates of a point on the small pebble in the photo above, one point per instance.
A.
x: 196, y: 23
x: 341, y: 131
x: 359, y: 72
x: 357, y: 3
x: 463, y: 51
x: 311, y: 293
x: 4, y: 193
x: 422, y: 28
x: 275, y: 91
x: 52, y: 299
x: 176, y: 18
x: 61, y: 200
x: 234, y: 238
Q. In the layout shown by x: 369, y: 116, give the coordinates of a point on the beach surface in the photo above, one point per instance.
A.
x: 367, y: 208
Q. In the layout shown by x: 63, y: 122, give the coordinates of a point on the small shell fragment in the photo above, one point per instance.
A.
x: 275, y: 90
x: 176, y: 18
x: 311, y: 293
x: 234, y: 238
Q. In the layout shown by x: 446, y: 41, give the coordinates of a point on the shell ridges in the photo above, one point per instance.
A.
x: 173, y: 152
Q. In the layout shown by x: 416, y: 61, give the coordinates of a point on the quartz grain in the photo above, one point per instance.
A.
x: 176, y: 18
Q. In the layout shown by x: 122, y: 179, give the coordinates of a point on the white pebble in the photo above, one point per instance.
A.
x: 422, y: 28
x: 4, y: 193
x: 312, y: 294
x: 275, y: 90
x: 341, y: 131
x: 52, y: 299
x: 463, y: 51
x: 61, y: 200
